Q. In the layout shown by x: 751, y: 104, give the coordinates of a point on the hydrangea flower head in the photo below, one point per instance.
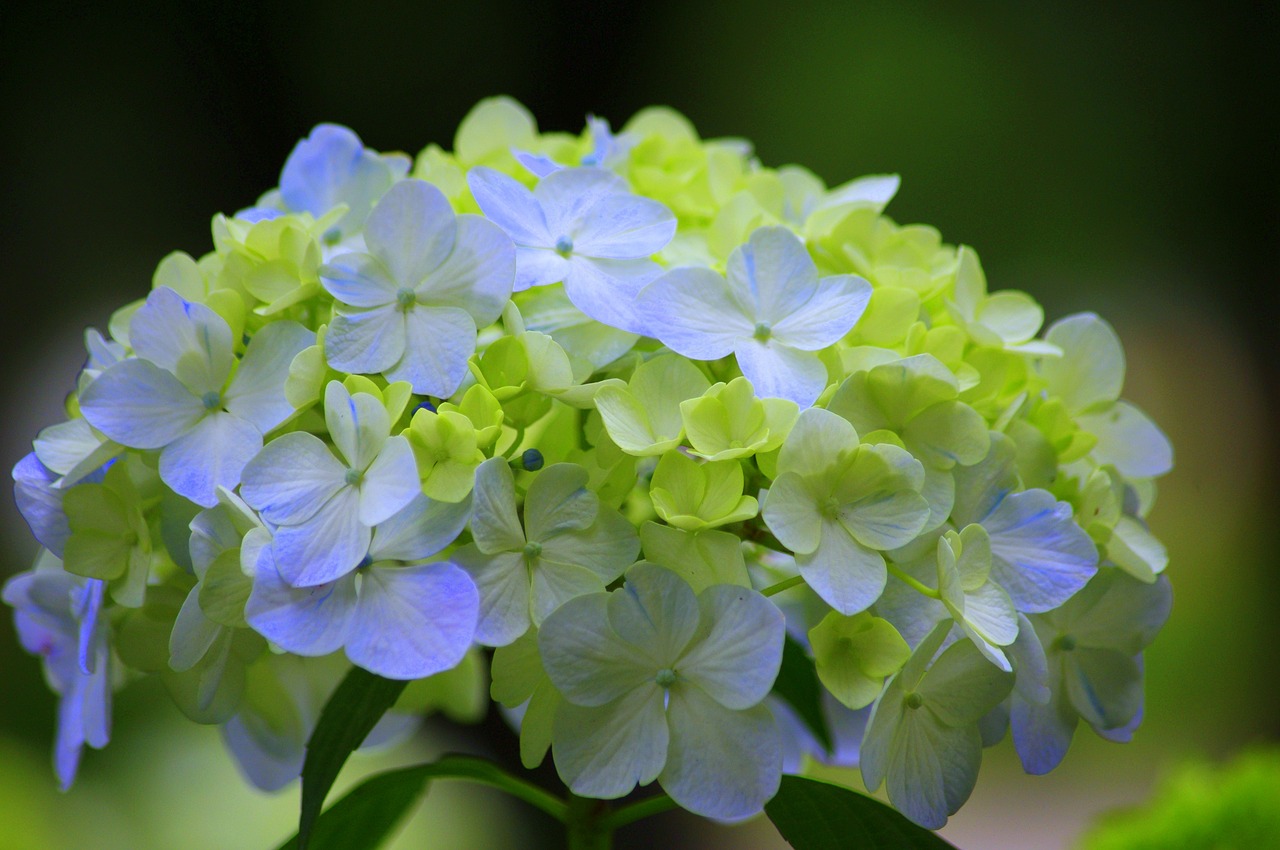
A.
x: 732, y: 474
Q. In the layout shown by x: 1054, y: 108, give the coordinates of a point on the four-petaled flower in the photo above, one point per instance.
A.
x: 179, y: 393
x: 661, y: 684
x: 771, y: 311
x: 324, y: 506
x: 581, y: 226
x: 415, y: 300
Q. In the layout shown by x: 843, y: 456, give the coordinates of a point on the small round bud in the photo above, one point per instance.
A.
x: 666, y: 677
x: 211, y: 400
x: 425, y: 405
x: 531, y: 460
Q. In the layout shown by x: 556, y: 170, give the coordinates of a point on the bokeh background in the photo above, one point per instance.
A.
x: 1114, y: 157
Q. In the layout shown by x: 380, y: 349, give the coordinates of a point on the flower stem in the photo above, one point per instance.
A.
x: 644, y: 808
x: 586, y: 824
x: 910, y: 582
x: 785, y: 584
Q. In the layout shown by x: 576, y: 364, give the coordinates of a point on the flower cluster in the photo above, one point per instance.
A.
x: 600, y: 423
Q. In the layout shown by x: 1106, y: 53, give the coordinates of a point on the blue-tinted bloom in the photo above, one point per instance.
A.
x: 175, y: 394
x: 581, y: 226
x: 415, y: 300
x: 771, y: 311
x: 331, y: 167
x: 1038, y: 553
x: 1093, y: 645
x: 660, y: 684
x: 399, y: 621
x: 325, y: 506
x: 57, y: 616
x: 607, y: 150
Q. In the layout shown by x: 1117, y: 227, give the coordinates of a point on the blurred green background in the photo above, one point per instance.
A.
x: 1120, y: 158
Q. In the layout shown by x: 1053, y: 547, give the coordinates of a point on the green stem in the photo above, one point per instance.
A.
x: 910, y: 582
x: 535, y: 796
x: 586, y: 824
x: 644, y: 808
x: 785, y: 584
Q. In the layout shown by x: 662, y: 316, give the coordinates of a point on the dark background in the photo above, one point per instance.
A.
x: 1114, y: 157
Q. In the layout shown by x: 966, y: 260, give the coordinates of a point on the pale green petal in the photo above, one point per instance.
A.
x: 701, y: 558
x: 962, y: 685
x: 1091, y: 368
x: 855, y: 654
x: 586, y: 658
x: 1105, y: 687
x: 607, y: 547
x: 815, y: 442
x: 946, y: 434
x: 605, y: 751
x: 655, y: 612
x: 559, y: 502
x: 554, y: 584
x: 503, y: 582
x: 792, y: 513
x: 494, y: 524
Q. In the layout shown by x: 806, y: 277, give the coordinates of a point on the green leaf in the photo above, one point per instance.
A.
x: 798, y: 684
x: 347, y: 718
x: 814, y: 815
x: 368, y: 814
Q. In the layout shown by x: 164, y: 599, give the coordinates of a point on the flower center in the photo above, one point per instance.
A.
x: 352, y: 477
x: 406, y: 298
x: 666, y: 677
x: 564, y: 246
x: 332, y: 236
x: 1066, y: 643
x: 211, y: 400
x: 831, y: 507
x: 913, y: 700
x: 763, y: 331
x: 129, y: 538
x: 532, y: 550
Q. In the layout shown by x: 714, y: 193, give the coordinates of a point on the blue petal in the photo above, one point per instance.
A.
x: 302, y: 620
x: 1038, y: 553
x: 412, y: 622
x: 40, y: 504
x: 332, y: 167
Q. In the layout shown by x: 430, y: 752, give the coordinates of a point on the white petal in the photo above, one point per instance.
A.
x: 478, y: 274
x: 411, y: 230
x: 359, y: 280
x: 569, y: 197
x: 256, y: 393
x: 419, y: 530
x: 209, y: 456
x: 289, y: 480
x: 326, y: 547
x: 187, y: 339
x: 737, y: 657
x: 692, y: 311
x: 302, y: 620
x: 624, y: 227
x: 772, y: 274
x: 140, y: 405
x: 538, y: 267
x: 358, y: 424
x: 438, y: 342
x: 390, y: 483
x: 511, y: 206
x: 776, y: 371
x: 1128, y: 440
x: 366, y: 342
x: 606, y: 751
x: 836, y: 306
x: 847, y: 575
x: 413, y: 622
x: 720, y: 764
x: 606, y: 290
